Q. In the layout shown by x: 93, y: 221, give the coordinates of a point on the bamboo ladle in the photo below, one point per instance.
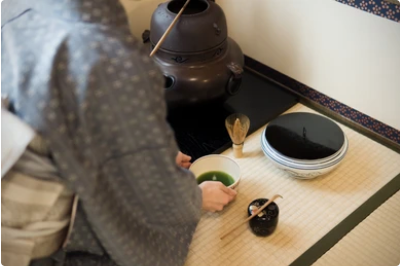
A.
x: 162, y: 39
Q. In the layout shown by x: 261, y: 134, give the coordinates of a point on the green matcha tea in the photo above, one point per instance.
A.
x: 224, y: 178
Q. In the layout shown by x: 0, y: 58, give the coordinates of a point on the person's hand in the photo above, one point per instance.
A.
x: 216, y: 195
x: 183, y: 160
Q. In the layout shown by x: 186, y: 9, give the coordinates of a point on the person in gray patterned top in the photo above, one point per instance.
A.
x: 73, y: 72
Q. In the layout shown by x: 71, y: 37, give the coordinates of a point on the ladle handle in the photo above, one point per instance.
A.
x: 162, y: 39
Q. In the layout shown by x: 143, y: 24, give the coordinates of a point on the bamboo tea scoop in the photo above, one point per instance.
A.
x: 162, y: 39
x: 252, y: 216
x: 237, y: 126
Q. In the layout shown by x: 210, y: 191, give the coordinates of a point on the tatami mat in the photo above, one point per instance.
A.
x: 374, y: 242
x: 309, y: 208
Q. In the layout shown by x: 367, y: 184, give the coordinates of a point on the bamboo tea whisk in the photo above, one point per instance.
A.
x: 237, y: 126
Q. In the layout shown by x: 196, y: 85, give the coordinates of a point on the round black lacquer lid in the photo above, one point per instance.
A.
x: 304, y: 136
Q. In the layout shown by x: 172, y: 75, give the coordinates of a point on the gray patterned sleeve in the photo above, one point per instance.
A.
x: 114, y: 146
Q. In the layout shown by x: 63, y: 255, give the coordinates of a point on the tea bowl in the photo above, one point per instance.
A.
x: 217, y: 162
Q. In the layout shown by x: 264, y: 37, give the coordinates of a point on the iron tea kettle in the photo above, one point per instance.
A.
x: 199, y: 61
